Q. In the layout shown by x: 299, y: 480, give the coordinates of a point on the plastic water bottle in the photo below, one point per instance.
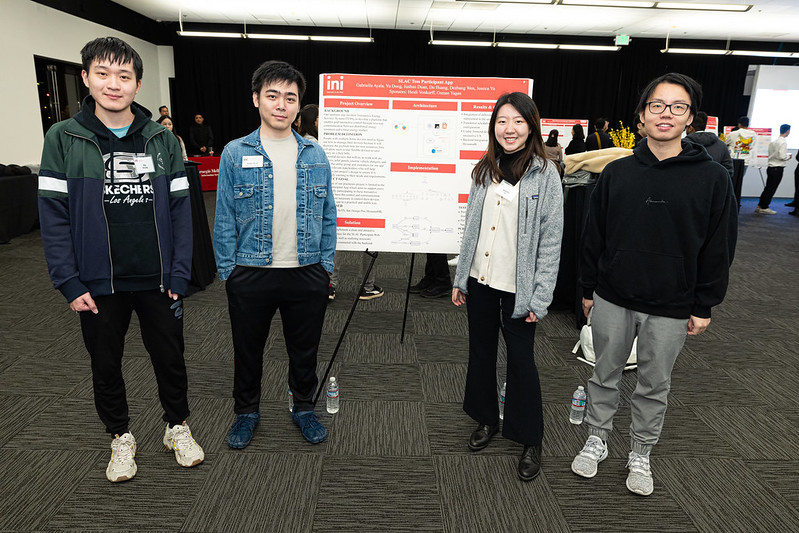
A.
x: 332, y: 396
x: 578, y: 406
x: 291, y: 401
x: 502, y: 402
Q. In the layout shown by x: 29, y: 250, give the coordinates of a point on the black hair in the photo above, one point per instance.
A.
x: 552, y: 139
x: 308, y: 116
x: 162, y: 107
x: 488, y: 166
x: 700, y: 121
x: 600, y: 123
x: 784, y: 128
x: 112, y: 49
x: 163, y: 118
x: 577, y: 132
x: 691, y: 86
x: 743, y: 121
x: 276, y: 71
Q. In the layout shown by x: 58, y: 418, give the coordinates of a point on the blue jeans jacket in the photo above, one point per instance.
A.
x: 244, y: 199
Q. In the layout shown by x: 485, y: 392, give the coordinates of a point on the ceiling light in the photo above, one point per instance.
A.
x: 210, y: 34
x: 342, y: 38
x: 759, y: 53
x: 276, y: 36
x: 607, y: 3
x: 704, y: 7
x: 505, y: 44
x: 703, y: 51
x: 589, y: 47
x: 461, y: 43
x: 510, y: 1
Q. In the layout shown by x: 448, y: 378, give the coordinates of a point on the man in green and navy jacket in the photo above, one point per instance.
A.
x: 116, y: 229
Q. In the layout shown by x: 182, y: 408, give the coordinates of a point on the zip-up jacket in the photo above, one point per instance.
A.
x: 538, y: 243
x: 75, y: 227
x: 660, y: 235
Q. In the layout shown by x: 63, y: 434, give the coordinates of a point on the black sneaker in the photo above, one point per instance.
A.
x: 790, y: 204
x: 422, y: 285
x: 436, y: 291
x: 794, y: 213
x: 331, y: 292
x: 375, y: 292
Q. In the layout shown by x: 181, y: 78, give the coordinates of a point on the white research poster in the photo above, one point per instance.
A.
x: 402, y: 149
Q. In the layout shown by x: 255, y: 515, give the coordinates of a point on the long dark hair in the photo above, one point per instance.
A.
x: 552, y: 140
x: 488, y: 166
x: 577, y: 132
x: 308, y: 116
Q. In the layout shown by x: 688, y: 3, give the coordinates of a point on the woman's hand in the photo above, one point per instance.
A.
x: 531, y: 318
x: 458, y: 298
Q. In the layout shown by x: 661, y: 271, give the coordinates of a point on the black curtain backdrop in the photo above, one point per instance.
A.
x: 212, y: 76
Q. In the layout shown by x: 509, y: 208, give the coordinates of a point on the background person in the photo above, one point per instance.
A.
x: 166, y: 121
x: 309, y: 122
x: 600, y: 138
x: 201, y: 138
x: 554, y: 151
x: 715, y: 147
x: 506, y: 275
x: 778, y: 156
x: 577, y: 144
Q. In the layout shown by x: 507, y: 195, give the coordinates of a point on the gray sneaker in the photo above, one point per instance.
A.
x: 764, y: 211
x: 594, y: 452
x: 639, y: 480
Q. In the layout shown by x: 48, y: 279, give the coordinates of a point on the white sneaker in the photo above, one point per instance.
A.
x: 639, y: 480
x: 122, y: 466
x: 454, y: 261
x: 760, y: 211
x: 594, y: 452
x: 187, y: 452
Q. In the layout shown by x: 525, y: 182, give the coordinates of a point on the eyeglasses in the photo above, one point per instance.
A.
x: 676, y: 109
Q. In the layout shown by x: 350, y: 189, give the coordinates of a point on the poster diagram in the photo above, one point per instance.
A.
x: 402, y: 149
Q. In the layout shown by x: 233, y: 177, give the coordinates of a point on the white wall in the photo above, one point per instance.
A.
x: 33, y: 29
x: 781, y: 78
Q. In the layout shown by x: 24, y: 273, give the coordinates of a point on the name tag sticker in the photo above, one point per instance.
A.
x: 143, y: 164
x: 252, y: 161
x: 507, y: 191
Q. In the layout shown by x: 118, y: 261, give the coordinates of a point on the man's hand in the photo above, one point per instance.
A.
x: 84, y: 302
x: 175, y: 296
x: 697, y: 325
x: 587, y: 305
x: 458, y: 298
x: 531, y: 318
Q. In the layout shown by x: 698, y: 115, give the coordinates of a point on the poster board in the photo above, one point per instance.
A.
x: 759, y: 157
x: 712, y: 124
x: 564, y: 127
x: 402, y: 149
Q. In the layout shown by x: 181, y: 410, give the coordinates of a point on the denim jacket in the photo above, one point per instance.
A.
x: 244, y: 199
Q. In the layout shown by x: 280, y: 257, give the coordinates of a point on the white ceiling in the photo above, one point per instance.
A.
x: 768, y: 20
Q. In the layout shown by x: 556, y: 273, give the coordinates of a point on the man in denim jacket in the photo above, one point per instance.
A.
x: 274, y: 238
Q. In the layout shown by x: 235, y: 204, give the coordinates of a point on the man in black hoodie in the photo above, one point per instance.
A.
x: 657, y: 248
x: 715, y: 147
x: 116, y: 230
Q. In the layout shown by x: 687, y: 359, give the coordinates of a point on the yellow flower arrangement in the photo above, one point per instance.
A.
x: 622, y: 137
x: 723, y: 137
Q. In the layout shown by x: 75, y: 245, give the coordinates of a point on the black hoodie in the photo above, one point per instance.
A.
x: 660, y: 235
x: 127, y: 200
x: 715, y: 147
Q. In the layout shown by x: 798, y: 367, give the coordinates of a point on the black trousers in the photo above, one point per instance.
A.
x: 738, y: 170
x: 254, y: 294
x: 161, y: 321
x: 436, y: 269
x: 773, y: 179
x: 489, y: 310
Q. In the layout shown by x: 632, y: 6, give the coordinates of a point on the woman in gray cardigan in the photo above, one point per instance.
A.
x: 506, y: 275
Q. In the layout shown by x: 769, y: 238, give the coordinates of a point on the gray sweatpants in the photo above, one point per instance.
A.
x: 365, y: 260
x: 660, y: 340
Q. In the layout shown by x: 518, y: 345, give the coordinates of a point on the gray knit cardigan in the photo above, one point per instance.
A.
x: 540, y: 229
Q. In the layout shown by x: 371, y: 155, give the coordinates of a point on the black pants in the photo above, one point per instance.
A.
x: 773, y: 179
x: 738, y: 170
x: 254, y: 294
x: 161, y: 321
x: 436, y: 269
x: 489, y: 310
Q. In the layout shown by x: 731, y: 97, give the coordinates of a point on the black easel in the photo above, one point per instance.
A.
x: 407, y: 297
x: 323, y: 383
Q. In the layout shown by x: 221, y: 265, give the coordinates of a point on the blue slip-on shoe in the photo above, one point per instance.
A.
x: 313, y: 430
x: 241, y: 431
